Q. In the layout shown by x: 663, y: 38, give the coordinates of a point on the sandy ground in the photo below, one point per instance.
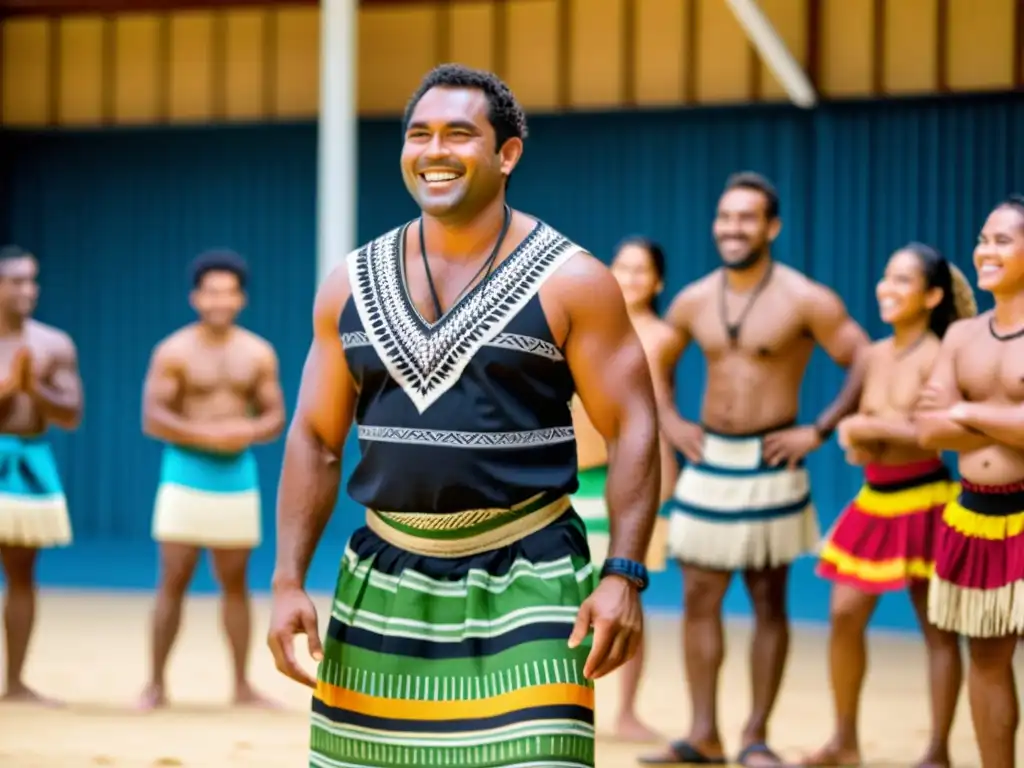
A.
x: 91, y: 650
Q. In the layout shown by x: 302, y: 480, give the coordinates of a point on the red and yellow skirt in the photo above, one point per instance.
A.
x: 885, y: 538
x: 978, y: 586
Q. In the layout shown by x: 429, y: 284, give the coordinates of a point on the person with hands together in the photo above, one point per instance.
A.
x: 211, y: 392
x: 973, y: 405
x: 743, y: 502
x: 466, y: 626
x: 885, y: 538
x: 40, y: 387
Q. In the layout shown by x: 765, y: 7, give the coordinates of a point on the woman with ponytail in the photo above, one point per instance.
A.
x: 884, y: 540
x: 639, y: 267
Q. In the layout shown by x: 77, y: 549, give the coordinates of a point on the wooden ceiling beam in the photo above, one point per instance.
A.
x: 67, y: 7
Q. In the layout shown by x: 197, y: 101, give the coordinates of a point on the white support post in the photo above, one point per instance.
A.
x: 337, y: 134
x: 774, y: 52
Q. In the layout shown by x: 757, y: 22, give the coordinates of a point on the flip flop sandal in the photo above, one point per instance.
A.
x: 759, y: 748
x: 683, y: 753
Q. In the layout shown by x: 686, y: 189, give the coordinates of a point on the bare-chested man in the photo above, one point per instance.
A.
x: 212, y: 391
x: 974, y: 404
x: 743, y: 501
x: 40, y: 386
x: 639, y: 268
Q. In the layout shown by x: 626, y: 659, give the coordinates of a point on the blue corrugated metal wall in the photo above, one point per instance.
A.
x: 6, y: 160
x: 115, y: 219
x: 116, y: 216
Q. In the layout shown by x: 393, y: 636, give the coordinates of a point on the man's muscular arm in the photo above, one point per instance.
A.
x: 161, y: 391
x: 935, y: 429
x: 311, y: 471
x: 268, y: 399
x: 58, y: 394
x: 1002, y: 422
x: 845, y: 342
x: 310, y: 476
x: 684, y: 435
x: 678, y: 318
x: 613, y: 381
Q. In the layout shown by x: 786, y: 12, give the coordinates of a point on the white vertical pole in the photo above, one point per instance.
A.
x: 337, y: 134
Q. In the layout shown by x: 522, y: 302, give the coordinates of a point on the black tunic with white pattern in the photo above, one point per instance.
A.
x: 472, y: 411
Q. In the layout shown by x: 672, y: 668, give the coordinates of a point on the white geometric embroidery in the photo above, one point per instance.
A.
x: 354, y: 339
x: 527, y: 344
x: 514, y: 341
x: 427, y: 359
x: 452, y: 439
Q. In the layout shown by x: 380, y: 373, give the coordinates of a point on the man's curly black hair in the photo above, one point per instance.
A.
x: 505, y: 115
x: 13, y: 253
x: 218, y: 260
x: 758, y: 183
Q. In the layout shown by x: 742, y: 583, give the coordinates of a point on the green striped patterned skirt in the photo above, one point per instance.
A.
x: 458, y: 660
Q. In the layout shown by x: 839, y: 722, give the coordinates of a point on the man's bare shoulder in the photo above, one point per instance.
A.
x: 813, y: 298
x: 579, y: 293
x: 691, y: 300
x: 49, y: 337
x: 334, y: 292
x: 966, y: 328
x: 581, y: 264
x: 255, y: 345
x: 337, y: 280
x: 176, y: 346
x: 801, y: 285
x: 702, y: 287
x: 580, y: 275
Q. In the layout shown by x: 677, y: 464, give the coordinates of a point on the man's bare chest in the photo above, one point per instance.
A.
x: 991, y: 369
x: 763, y: 332
x: 222, y: 371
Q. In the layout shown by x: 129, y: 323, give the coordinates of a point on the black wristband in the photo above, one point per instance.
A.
x: 630, y: 570
x: 824, y: 433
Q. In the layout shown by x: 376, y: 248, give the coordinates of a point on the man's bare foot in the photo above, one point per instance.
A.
x: 153, y: 697
x: 22, y: 694
x: 935, y: 757
x: 833, y: 755
x: 247, y: 696
x: 630, y: 728
x: 758, y: 754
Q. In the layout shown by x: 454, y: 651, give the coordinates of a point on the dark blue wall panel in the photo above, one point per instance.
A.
x: 116, y: 216
x: 115, y: 219
x: 7, y: 150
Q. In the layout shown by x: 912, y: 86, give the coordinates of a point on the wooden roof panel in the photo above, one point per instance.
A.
x: 61, y: 7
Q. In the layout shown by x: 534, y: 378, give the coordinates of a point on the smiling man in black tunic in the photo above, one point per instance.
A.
x: 460, y: 628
